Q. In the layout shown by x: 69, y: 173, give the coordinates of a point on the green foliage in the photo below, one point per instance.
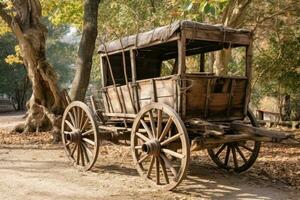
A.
x: 11, y: 76
x: 63, y: 12
x: 278, y: 69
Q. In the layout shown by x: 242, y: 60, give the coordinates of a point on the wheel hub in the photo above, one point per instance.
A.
x: 151, y: 147
x: 74, y: 136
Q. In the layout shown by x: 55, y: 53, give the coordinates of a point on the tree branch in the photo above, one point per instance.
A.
x: 3, y: 14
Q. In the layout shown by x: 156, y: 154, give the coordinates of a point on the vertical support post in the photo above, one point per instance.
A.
x: 181, y: 43
x: 202, y: 62
x: 134, y: 84
x: 181, y: 53
x: 126, y: 77
x: 249, y: 55
x: 103, y: 69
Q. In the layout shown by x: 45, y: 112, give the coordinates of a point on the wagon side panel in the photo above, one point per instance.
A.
x: 157, y: 90
x: 216, y: 98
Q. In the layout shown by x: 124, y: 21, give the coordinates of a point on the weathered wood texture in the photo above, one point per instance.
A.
x: 276, y: 135
x: 215, y: 98
x: 148, y: 91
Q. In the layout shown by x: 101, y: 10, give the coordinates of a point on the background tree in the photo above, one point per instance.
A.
x: 46, y: 101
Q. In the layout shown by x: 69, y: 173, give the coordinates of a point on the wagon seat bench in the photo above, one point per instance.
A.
x: 153, y: 98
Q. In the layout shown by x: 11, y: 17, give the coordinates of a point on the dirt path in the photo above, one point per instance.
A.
x: 9, y: 120
x: 28, y: 173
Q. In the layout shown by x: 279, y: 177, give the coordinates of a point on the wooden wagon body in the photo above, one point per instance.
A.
x: 168, y: 113
x: 201, y: 94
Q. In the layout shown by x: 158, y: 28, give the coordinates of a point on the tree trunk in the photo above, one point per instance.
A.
x: 46, y: 101
x: 286, y: 108
x: 232, y: 17
x: 86, y: 50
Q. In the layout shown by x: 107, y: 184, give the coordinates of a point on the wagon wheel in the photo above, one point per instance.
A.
x: 80, y: 135
x: 159, y: 141
x: 238, y: 156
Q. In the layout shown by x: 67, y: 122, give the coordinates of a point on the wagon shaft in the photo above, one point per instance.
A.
x: 274, y: 136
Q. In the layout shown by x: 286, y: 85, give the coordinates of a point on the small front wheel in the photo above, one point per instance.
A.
x: 159, y: 141
x: 80, y: 135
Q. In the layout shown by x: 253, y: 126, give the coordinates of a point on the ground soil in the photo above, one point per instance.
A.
x: 31, y: 167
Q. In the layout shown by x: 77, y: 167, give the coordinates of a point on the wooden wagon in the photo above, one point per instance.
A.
x: 168, y: 113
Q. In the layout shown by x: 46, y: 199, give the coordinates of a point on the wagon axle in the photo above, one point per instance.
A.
x: 74, y: 136
x: 152, y: 147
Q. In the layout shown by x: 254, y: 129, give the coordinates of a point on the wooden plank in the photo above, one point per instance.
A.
x: 109, y: 102
x: 243, y: 128
x: 232, y: 87
x: 208, y: 91
x: 134, y: 85
x: 125, y: 115
x: 103, y: 72
x: 154, y: 92
x: 122, y: 100
x: 202, y: 62
x: 217, y: 36
x: 94, y: 105
x: 181, y: 43
x: 105, y: 101
x: 249, y: 55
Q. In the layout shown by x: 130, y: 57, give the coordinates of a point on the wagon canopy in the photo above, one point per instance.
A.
x: 196, y: 30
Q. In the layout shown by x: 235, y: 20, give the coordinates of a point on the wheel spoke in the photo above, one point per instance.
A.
x: 169, y: 165
x: 245, y: 147
x: 142, y: 136
x: 78, y: 154
x: 150, y: 166
x: 157, y: 170
x: 234, y: 158
x: 220, y: 150
x: 85, y: 153
x: 143, y: 158
x: 153, y: 127
x: 72, y: 119
x: 68, y: 143
x: 73, y: 151
x: 89, y: 152
x: 147, y: 128
x: 74, y: 111
x: 227, y: 155
x: 81, y: 119
x: 85, y: 124
x: 166, y: 129
x: 173, y: 153
x: 163, y: 167
x: 70, y: 125
x: 78, y: 116
x: 159, y: 123
x: 171, y: 139
x: 138, y: 147
x: 87, y: 132
x: 82, y: 156
x: 241, y: 154
x: 89, y: 141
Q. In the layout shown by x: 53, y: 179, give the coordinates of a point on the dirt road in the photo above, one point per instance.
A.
x: 29, y: 173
